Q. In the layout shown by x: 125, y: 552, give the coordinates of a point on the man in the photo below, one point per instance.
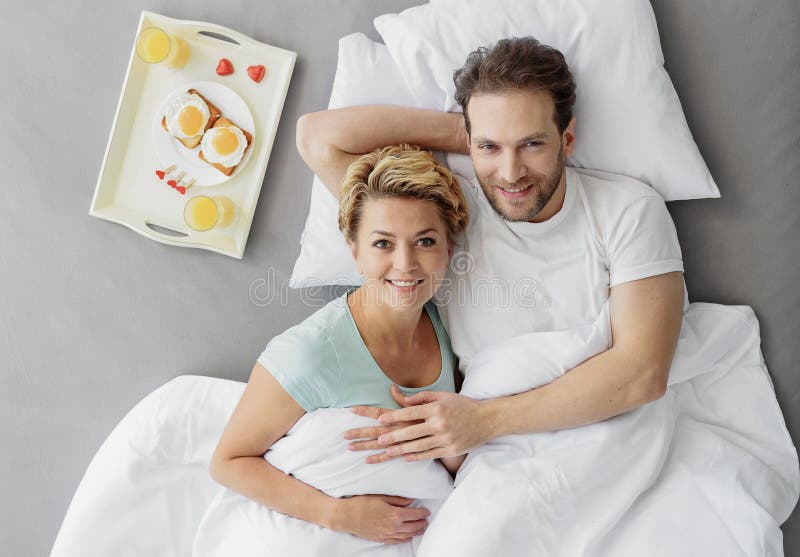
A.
x: 574, y: 240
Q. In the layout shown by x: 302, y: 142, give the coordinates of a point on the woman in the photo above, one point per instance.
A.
x: 400, y: 212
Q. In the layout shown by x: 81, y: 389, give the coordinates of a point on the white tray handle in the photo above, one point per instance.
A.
x: 219, y: 33
x: 150, y: 229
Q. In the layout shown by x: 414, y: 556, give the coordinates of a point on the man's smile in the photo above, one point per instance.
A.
x: 515, y: 192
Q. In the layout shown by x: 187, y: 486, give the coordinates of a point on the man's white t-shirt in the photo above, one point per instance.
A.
x: 511, y: 278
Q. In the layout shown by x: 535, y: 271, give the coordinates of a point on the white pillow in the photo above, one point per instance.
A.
x: 629, y: 117
x: 365, y: 74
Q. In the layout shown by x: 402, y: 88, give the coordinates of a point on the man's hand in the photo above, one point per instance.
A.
x: 431, y: 424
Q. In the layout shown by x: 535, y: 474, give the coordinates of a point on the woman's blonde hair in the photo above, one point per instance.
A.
x: 401, y: 172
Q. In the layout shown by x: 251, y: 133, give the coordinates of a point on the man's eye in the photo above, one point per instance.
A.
x: 426, y: 242
x: 486, y: 146
x: 381, y: 244
x: 533, y: 143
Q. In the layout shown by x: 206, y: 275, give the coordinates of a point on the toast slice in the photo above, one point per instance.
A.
x: 194, y: 141
x: 228, y: 170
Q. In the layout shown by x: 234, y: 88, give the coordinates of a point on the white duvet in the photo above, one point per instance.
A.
x: 709, y: 469
x: 148, y: 492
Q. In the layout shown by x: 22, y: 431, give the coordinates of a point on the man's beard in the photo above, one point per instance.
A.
x: 543, y: 189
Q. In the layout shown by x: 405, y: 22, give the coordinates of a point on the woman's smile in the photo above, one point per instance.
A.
x: 408, y: 285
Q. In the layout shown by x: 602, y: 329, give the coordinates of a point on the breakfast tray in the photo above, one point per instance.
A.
x: 128, y: 190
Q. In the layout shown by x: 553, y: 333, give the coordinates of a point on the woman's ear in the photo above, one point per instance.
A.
x: 354, y: 252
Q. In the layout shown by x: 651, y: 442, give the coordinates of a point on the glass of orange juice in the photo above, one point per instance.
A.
x: 154, y: 45
x: 203, y: 212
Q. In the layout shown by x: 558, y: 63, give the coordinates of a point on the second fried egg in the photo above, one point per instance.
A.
x: 224, y: 145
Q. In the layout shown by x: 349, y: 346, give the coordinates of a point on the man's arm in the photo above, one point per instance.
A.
x: 645, y: 321
x: 645, y: 324
x: 330, y: 140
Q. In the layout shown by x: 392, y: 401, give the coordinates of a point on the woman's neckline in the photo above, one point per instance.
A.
x: 366, y: 349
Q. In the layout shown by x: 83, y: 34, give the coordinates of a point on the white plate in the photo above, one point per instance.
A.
x: 171, y: 151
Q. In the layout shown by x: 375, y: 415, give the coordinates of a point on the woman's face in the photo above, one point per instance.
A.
x: 402, y: 251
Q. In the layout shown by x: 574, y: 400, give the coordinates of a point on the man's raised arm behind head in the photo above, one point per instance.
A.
x: 330, y: 140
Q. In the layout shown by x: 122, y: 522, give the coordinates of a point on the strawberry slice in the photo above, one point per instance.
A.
x: 256, y: 73
x: 224, y: 67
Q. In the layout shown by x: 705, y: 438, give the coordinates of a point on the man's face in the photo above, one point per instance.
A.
x: 518, y: 153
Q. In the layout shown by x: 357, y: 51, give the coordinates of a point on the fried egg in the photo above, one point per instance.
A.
x: 187, y: 115
x: 224, y: 145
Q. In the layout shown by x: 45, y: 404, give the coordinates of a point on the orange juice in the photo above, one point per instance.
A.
x: 154, y: 45
x: 203, y: 213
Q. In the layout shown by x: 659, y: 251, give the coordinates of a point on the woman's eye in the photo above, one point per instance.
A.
x: 426, y: 242
x: 381, y: 244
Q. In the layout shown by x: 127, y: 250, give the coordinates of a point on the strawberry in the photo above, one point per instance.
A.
x: 172, y: 183
x: 224, y: 67
x: 160, y: 174
x: 181, y: 190
x: 256, y: 73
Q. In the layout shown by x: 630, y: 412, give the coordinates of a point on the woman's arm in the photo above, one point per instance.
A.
x: 330, y: 140
x: 264, y: 414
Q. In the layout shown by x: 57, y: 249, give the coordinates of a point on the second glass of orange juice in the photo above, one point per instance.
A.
x: 203, y: 213
x: 154, y: 45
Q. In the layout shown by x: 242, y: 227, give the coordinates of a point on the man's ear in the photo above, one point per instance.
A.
x: 568, y: 138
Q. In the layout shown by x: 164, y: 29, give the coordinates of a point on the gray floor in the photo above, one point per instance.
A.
x: 93, y: 316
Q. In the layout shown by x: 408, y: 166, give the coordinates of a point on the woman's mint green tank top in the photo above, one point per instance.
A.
x: 324, y: 363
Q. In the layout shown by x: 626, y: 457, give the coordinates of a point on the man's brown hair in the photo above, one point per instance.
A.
x: 517, y: 63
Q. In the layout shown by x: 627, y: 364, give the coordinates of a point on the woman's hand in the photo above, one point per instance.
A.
x: 369, y: 435
x: 381, y: 518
